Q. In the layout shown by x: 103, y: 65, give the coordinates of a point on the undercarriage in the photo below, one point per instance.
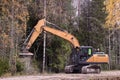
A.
x: 85, y: 69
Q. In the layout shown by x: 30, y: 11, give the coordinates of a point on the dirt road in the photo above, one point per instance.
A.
x: 106, y: 75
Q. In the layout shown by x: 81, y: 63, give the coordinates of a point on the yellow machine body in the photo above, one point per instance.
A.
x: 98, y: 58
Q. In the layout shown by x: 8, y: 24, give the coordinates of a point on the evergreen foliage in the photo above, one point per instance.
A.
x: 4, y: 66
x: 19, y: 66
x: 91, y: 23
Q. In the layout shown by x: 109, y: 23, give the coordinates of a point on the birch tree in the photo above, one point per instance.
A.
x: 113, y: 23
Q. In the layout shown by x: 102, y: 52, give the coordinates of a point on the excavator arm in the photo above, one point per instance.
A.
x: 40, y: 27
x: 65, y: 35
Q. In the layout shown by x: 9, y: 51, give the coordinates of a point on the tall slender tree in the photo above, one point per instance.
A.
x: 113, y: 23
x: 91, y: 21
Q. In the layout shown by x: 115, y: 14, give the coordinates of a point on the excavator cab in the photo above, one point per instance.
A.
x: 85, y: 52
x: 88, y: 55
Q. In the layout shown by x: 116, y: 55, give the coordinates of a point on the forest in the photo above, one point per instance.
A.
x: 93, y: 22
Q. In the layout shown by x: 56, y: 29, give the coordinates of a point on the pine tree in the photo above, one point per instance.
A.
x: 92, y: 18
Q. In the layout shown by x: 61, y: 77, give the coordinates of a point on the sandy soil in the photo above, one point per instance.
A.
x: 106, y: 75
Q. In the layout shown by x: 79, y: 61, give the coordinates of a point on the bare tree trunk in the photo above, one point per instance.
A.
x: 44, y: 44
x: 119, y: 47
x: 109, y: 52
x: 12, y: 50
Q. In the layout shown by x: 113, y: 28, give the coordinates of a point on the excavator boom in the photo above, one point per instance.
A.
x: 63, y: 34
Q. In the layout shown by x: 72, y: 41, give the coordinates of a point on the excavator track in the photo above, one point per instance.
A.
x: 69, y: 69
x: 84, y: 70
x: 91, y: 69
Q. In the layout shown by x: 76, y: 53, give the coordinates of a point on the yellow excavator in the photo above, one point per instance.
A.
x: 83, y: 59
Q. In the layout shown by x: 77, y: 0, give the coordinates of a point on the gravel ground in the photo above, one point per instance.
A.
x: 106, y: 75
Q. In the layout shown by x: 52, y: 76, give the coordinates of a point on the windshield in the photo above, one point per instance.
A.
x: 87, y: 51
